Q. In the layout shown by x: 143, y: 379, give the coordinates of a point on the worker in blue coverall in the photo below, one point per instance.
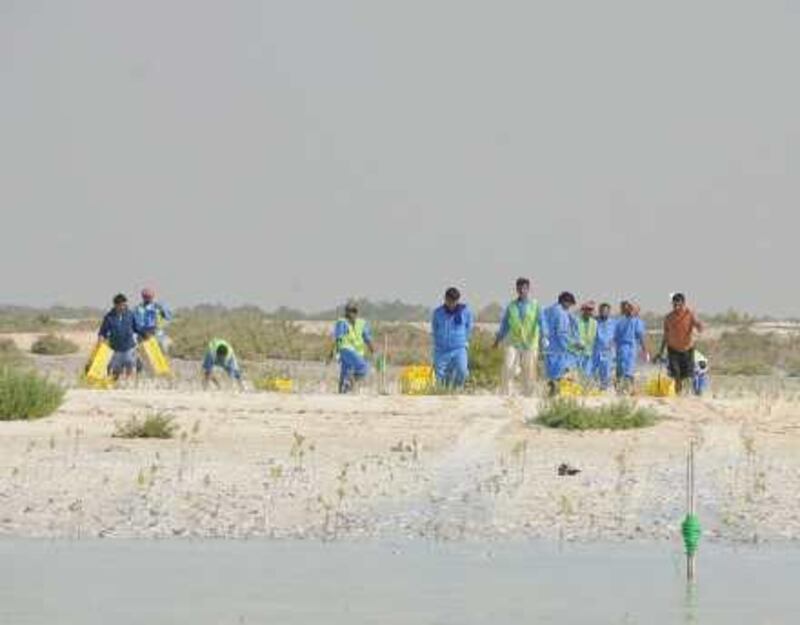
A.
x: 561, y: 340
x: 603, y: 351
x: 120, y: 330
x: 629, y: 337
x: 153, y: 317
x: 352, y: 337
x: 219, y: 353
x: 451, y: 327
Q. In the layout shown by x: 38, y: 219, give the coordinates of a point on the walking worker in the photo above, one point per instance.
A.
x: 603, y: 349
x: 352, y: 337
x: 451, y: 326
x: 629, y: 337
x: 153, y: 317
x: 120, y: 329
x: 679, y: 328
x: 219, y: 353
x: 521, y: 329
x: 587, y: 333
x: 561, y: 339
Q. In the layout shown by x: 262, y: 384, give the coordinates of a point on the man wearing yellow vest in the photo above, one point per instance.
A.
x: 587, y: 332
x: 521, y: 330
x: 219, y: 353
x: 352, y: 337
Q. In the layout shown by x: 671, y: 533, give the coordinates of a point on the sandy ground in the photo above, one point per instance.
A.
x: 323, y: 466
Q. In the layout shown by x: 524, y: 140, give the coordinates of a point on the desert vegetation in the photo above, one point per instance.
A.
x: 571, y: 414
x: 53, y: 345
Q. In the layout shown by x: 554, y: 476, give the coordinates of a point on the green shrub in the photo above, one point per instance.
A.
x: 408, y: 344
x: 570, y: 414
x: 53, y: 345
x: 251, y: 334
x: 10, y: 354
x: 485, y: 362
x: 26, y: 395
x: 156, y: 425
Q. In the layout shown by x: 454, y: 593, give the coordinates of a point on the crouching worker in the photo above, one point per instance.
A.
x: 220, y: 354
x: 451, y: 327
x: 700, y: 377
x: 352, y: 337
x: 120, y: 329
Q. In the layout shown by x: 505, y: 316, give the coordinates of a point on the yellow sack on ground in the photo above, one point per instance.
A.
x: 660, y: 385
x: 278, y: 385
x: 417, y: 380
x: 158, y: 362
x: 97, y: 370
x: 569, y: 387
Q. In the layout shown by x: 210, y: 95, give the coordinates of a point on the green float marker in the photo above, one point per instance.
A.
x: 690, y: 528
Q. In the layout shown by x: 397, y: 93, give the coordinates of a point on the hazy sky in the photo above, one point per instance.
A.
x: 299, y: 152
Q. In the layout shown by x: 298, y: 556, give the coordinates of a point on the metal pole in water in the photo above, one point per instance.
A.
x: 690, y: 528
x: 691, y: 558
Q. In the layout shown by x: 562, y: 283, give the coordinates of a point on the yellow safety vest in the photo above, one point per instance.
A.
x: 354, y: 339
x: 215, y: 344
x: 523, y: 331
x: 587, y: 330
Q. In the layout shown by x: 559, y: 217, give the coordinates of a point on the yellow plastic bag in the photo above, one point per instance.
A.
x: 660, y: 385
x: 278, y: 385
x: 570, y: 387
x: 417, y: 379
x: 158, y: 362
x: 97, y: 371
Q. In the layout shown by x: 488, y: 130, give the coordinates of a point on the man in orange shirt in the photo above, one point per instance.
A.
x: 679, y: 327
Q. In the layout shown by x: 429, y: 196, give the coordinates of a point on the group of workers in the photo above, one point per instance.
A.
x: 124, y: 330
x: 593, y: 346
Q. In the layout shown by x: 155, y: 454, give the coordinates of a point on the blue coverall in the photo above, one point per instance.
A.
x: 561, y: 331
x: 451, y: 333
x: 628, y: 337
x: 603, y: 352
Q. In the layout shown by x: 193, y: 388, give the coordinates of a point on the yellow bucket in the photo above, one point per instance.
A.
x: 417, y: 380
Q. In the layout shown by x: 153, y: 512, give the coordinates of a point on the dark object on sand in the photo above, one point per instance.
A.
x: 567, y: 469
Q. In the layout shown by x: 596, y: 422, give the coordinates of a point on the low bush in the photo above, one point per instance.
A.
x: 10, y: 354
x: 485, y: 362
x: 570, y: 414
x: 26, y: 395
x: 743, y: 367
x: 156, y: 425
x: 53, y: 345
x: 408, y: 344
x: 251, y: 334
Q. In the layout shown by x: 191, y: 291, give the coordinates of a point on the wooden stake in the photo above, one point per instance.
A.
x: 385, y: 364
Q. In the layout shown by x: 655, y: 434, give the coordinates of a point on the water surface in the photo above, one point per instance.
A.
x: 220, y: 582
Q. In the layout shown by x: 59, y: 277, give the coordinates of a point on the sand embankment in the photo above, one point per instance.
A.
x: 254, y: 464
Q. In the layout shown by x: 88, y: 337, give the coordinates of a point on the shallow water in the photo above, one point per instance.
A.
x: 221, y: 582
